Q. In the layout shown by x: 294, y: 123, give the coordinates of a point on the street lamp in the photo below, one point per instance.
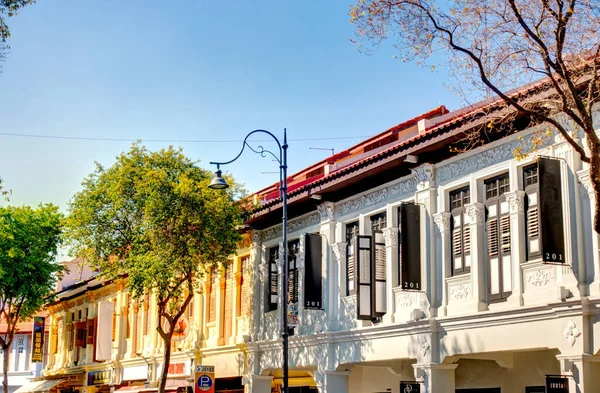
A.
x: 219, y: 183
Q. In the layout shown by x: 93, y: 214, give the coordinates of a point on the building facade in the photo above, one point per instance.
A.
x: 21, y: 369
x: 461, y: 272
x: 101, y: 339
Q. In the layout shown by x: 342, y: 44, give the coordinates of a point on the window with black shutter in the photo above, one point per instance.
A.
x: 363, y: 252
x: 378, y: 224
x: 271, y: 283
x: 544, y: 211
x: 351, y: 234
x: 497, y: 227
x: 409, y: 247
x: 313, y: 271
x: 461, y: 232
x: 293, y: 250
x: 532, y: 223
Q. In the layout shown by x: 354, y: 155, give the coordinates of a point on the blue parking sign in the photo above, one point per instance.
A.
x: 205, y: 383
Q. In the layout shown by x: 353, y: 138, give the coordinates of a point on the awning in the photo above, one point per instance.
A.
x: 39, y: 386
x: 173, y: 385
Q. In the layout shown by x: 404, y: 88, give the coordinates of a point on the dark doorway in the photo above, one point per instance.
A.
x: 479, y: 390
x: 535, y: 389
x: 303, y: 389
x: 229, y: 385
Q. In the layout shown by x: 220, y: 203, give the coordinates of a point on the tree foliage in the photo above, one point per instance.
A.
x: 29, y: 239
x: 8, y: 8
x: 495, y: 46
x: 152, y: 217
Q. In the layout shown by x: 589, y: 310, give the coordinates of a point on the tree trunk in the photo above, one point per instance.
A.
x: 166, y: 362
x: 595, y: 180
x: 5, y: 367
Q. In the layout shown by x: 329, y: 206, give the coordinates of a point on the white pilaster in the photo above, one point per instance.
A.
x: 476, y: 213
x: 516, y: 203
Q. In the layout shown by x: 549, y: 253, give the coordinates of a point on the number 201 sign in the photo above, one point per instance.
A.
x: 204, y: 379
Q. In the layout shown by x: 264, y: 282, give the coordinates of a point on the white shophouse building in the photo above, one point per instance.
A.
x: 471, y: 272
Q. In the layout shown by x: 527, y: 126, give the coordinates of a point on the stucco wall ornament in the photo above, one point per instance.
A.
x: 406, y: 299
x: 327, y: 211
x: 540, y: 278
x: 461, y: 291
x: 485, y: 158
x: 293, y: 226
x: 424, y: 176
x: 404, y: 187
x: 571, y: 332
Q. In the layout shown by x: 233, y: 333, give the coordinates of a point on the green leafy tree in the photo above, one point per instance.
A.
x: 8, y: 8
x: 494, y: 46
x: 151, y: 216
x: 29, y: 239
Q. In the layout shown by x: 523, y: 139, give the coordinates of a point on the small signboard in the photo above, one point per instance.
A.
x: 204, y: 379
x: 103, y: 377
x: 292, y: 314
x: 410, y: 387
x: 557, y: 384
x: 37, y: 353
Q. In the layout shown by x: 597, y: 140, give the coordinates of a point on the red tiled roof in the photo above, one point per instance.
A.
x: 440, y: 125
x: 272, y: 191
x: 25, y: 326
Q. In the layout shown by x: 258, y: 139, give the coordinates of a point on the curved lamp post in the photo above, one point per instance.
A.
x: 219, y: 183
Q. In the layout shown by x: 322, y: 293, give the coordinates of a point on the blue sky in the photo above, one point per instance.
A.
x: 191, y: 70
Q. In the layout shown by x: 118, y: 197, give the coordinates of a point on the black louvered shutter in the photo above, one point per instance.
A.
x: 410, y: 246
x: 532, y: 223
x: 551, y: 214
x: 363, y: 257
x: 293, y: 248
x: 271, y: 281
x: 313, y: 274
x: 379, y: 277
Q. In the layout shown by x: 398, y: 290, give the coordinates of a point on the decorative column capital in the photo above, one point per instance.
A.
x: 424, y: 175
x: 256, y: 238
x: 442, y: 221
x: 390, y: 235
x: 516, y: 201
x: 476, y: 212
x: 339, y: 250
x: 583, y: 177
x: 326, y: 211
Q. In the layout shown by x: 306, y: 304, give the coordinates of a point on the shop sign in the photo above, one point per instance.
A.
x: 99, y: 377
x: 557, y: 384
x: 177, y: 369
x: 292, y: 314
x: 410, y: 387
x: 204, y: 379
x: 135, y: 372
x: 37, y: 352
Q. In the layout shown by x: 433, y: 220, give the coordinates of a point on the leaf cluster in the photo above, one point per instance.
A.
x: 8, y: 8
x: 151, y: 217
x: 29, y: 239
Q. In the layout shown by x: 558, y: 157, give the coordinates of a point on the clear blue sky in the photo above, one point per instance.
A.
x: 191, y: 70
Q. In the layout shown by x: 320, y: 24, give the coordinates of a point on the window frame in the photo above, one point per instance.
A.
x: 464, y: 194
x: 495, y: 196
x: 352, y: 233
